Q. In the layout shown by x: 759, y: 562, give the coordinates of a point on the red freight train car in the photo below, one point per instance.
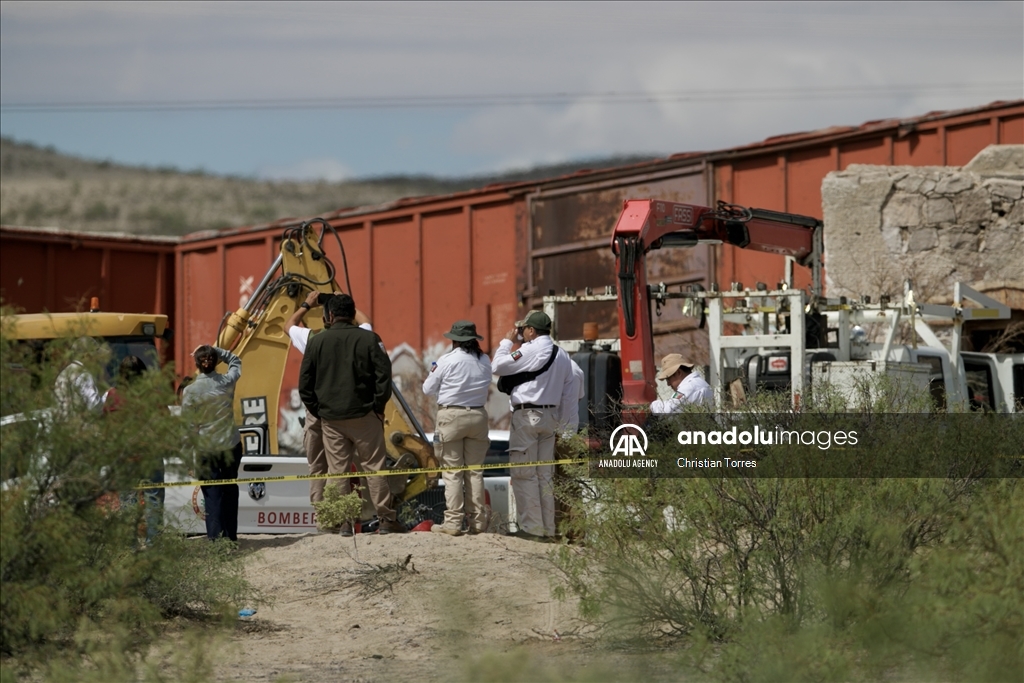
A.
x: 60, y: 271
x: 55, y: 270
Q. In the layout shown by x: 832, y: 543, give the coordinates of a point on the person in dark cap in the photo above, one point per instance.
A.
x: 461, y: 380
x: 312, y: 432
x: 538, y: 377
x: 688, y: 388
x: 345, y: 383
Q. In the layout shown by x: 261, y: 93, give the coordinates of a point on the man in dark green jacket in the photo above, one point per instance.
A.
x: 345, y: 382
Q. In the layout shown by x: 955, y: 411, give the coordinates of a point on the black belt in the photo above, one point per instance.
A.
x: 530, y: 406
x: 463, y: 407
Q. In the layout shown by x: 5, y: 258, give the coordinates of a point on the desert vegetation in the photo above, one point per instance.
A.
x: 40, y: 187
x: 823, y: 578
x: 93, y: 589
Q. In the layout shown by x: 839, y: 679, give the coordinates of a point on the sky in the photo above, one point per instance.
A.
x: 343, y: 90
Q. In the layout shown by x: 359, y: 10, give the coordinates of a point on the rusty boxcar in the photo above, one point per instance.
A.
x: 60, y: 271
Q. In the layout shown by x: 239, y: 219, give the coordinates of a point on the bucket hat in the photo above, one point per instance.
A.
x: 671, y: 363
x: 463, y: 330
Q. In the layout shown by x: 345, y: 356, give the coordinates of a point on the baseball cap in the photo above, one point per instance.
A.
x: 538, y: 320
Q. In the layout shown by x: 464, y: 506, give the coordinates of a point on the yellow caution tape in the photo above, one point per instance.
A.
x: 358, y: 475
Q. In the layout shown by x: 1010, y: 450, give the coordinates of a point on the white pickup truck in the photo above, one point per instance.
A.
x: 283, y: 507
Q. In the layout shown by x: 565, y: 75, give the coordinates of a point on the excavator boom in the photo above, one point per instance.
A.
x: 256, y: 334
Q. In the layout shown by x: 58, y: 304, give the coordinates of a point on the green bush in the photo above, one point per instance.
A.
x: 99, y: 211
x: 171, y: 221
x: 336, y: 509
x: 82, y: 590
x: 35, y: 212
x: 805, y: 578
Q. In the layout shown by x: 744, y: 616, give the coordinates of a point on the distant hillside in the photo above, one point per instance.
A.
x: 40, y: 187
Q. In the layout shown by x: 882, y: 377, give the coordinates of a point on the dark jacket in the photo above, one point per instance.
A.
x: 345, y: 373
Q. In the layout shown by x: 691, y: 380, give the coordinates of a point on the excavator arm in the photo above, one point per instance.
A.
x: 648, y: 224
x: 256, y: 334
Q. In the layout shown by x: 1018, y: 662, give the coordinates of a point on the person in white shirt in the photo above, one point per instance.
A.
x: 688, y: 387
x: 538, y: 377
x: 461, y: 380
x: 300, y: 335
x: 312, y: 433
x: 75, y: 387
x: 569, y: 423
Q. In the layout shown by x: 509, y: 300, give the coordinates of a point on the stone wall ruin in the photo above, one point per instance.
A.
x: 933, y: 224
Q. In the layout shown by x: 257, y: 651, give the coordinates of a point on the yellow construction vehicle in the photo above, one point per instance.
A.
x: 126, y: 334
x: 256, y: 333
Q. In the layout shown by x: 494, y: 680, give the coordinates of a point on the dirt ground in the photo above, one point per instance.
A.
x: 466, y: 608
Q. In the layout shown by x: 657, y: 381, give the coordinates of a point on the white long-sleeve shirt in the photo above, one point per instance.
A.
x: 570, y: 408
x: 300, y: 335
x: 551, y: 388
x: 76, y: 390
x: 460, y: 379
x: 692, y: 390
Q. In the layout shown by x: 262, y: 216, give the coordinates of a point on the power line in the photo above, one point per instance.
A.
x: 514, y: 100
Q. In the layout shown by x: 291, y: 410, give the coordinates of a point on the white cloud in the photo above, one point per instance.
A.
x: 176, y: 51
x: 331, y: 170
x: 523, y: 135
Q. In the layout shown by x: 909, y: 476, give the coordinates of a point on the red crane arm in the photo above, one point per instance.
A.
x: 647, y: 224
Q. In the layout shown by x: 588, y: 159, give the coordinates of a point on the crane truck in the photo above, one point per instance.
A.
x: 789, y: 340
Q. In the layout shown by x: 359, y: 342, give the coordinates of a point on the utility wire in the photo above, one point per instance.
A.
x: 525, y: 99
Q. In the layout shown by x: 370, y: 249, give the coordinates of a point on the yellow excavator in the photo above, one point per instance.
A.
x: 256, y: 334
x: 124, y: 333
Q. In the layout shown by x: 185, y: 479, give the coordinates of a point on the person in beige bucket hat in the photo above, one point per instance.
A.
x: 461, y: 380
x: 688, y: 387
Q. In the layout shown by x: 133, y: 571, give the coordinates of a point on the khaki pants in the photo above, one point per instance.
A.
x: 462, y: 434
x: 359, y: 441
x: 313, y: 442
x: 533, y: 439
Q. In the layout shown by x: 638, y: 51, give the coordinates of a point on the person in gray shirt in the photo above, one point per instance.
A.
x: 208, y: 404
